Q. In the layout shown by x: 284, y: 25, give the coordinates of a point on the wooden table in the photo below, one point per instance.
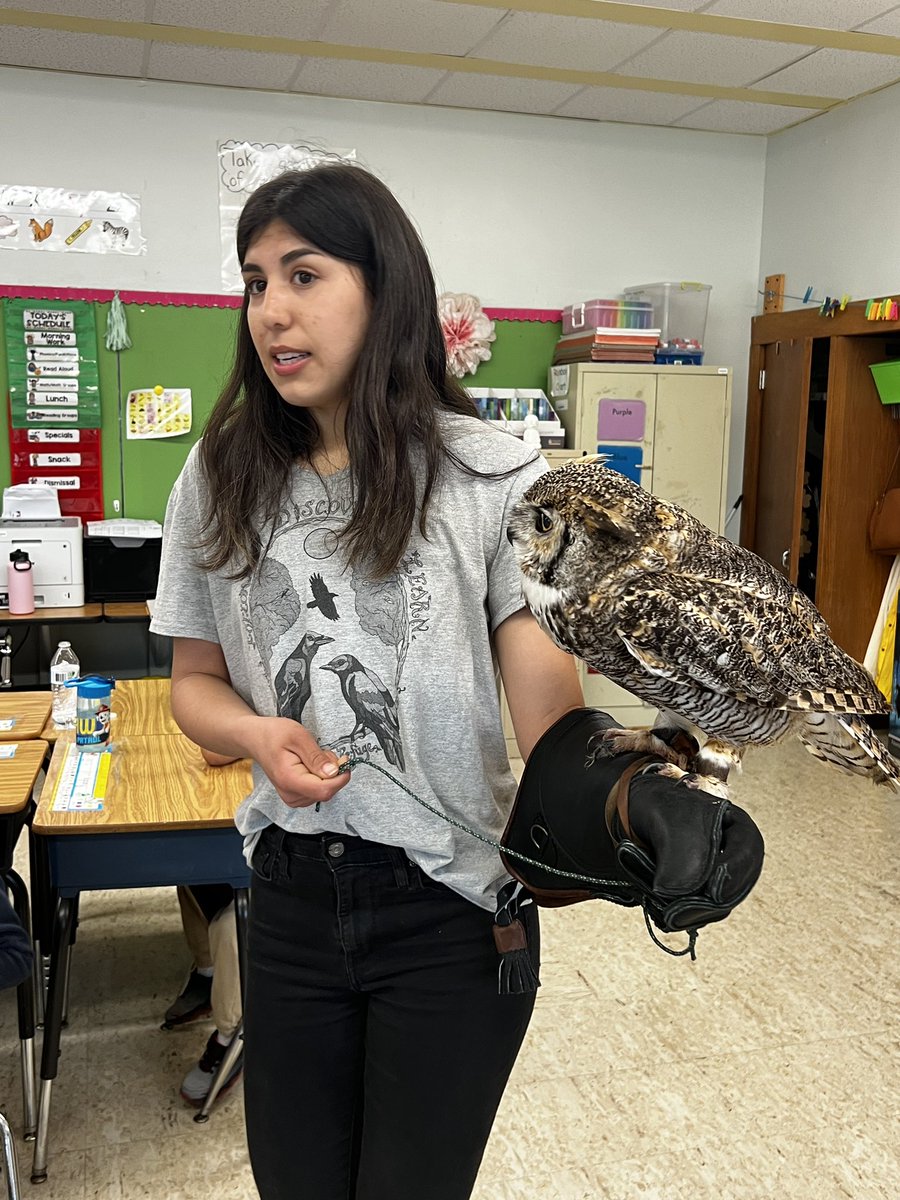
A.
x: 17, y: 777
x: 55, y: 616
x: 43, y: 618
x: 106, y: 611
x: 30, y: 710
x: 167, y: 819
x: 125, y: 610
x: 143, y: 706
x: 138, y: 706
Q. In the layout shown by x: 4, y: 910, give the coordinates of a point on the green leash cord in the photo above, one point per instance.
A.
x: 532, y: 862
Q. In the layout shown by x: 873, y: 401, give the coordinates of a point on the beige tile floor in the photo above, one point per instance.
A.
x: 768, y: 1068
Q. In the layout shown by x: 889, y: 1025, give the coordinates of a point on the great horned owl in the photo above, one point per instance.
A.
x: 691, y: 623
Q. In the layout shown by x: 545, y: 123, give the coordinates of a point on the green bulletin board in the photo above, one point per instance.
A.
x: 181, y: 346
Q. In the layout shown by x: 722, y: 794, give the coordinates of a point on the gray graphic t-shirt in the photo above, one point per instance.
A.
x: 397, y: 671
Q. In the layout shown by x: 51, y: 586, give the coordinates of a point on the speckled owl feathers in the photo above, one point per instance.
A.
x: 688, y: 621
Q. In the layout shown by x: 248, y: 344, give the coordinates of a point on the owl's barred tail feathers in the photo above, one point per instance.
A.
x: 832, y: 700
x: 847, y: 741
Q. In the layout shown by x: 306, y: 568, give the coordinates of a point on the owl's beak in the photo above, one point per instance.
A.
x: 510, y: 536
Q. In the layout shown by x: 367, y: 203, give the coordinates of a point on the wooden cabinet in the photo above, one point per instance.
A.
x: 818, y: 450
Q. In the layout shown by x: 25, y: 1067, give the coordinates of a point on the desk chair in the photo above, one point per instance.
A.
x: 10, y: 1162
x: 19, y: 775
x: 236, y: 1046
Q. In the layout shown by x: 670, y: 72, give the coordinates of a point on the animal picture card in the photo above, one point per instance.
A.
x: 48, y: 218
x: 158, y: 412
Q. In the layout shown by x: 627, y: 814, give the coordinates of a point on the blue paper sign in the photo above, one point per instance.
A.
x: 627, y: 460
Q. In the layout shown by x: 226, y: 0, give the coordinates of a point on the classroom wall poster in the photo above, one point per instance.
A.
x: 243, y: 166
x: 56, y: 219
x: 158, y: 412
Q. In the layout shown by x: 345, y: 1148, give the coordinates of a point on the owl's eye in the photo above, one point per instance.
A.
x: 542, y: 521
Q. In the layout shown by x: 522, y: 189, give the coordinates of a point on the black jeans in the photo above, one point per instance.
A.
x: 377, y: 1045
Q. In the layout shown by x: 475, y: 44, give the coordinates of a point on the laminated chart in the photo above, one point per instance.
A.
x: 81, y: 783
x: 54, y: 393
x: 51, y: 351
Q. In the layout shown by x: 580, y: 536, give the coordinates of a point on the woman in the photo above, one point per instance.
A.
x: 338, y: 582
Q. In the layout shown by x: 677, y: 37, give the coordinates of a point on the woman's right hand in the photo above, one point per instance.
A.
x: 301, y: 772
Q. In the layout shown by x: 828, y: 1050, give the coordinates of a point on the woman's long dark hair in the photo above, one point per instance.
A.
x: 399, y: 387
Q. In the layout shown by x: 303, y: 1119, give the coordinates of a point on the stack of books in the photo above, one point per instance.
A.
x: 607, y: 345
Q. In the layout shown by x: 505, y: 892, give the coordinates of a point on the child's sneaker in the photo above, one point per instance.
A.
x: 193, y: 1003
x: 197, y: 1082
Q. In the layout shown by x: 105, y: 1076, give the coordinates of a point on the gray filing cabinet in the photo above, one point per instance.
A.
x: 668, y: 429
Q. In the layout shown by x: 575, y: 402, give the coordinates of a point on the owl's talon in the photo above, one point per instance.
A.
x: 642, y: 741
x: 699, y: 783
x: 708, y: 784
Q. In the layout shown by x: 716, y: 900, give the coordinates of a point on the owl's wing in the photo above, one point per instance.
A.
x: 747, y: 639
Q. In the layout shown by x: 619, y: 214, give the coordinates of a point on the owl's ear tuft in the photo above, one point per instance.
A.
x: 604, y: 518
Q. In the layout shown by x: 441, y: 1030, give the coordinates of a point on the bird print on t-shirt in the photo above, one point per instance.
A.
x: 373, y: 705
x: 322, y: 599
x: 293, y: 685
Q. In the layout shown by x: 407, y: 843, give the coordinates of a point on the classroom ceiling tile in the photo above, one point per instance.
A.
x: 225, y: 68
x: 104, y: 10
x: 888, y: 24
x: 827, y: 14
x: 736, y: 116
x: 840, y: 73
x: 620, y: 104
x: 415, y: 25
x: 365, y: 81
x: 266, y: 18
x: 711, y: 58
x: 578, y: 43
x: 54, y: 50
x: 502, y: 93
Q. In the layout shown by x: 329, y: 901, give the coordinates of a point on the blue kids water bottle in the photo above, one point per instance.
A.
x: 92, y: 711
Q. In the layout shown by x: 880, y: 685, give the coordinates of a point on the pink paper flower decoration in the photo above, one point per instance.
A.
x: 467, y: 332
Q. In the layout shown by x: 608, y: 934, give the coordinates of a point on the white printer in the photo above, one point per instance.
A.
x: 54, y: 545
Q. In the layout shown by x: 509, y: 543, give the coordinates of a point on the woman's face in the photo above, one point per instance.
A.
x: 307, y: 314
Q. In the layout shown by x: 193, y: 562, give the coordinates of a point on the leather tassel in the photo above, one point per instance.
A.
x: 517, y: 973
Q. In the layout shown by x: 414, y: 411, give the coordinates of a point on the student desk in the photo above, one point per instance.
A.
x: 43, y: 618
x: 29, y: 710
x: 17, y: 776
x: 167, y: 819
x: 139, y: 706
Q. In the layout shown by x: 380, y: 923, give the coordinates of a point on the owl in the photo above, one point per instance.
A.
x: 707, y: 632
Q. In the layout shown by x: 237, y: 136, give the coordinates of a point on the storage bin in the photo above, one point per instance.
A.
x: 680, y: 310
x: 887, y: 380
x: 121, y: 573
x: 607, y: 314
x: 679, y: 358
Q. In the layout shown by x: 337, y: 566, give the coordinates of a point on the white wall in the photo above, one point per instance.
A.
x: 831, y: 197
x: 523, y: 211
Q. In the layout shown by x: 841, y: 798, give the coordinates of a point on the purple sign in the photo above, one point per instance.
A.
x: 621, y: 420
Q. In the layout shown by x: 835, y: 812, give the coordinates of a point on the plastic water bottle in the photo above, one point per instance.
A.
x: 92, y: 713
x: 63, y: 666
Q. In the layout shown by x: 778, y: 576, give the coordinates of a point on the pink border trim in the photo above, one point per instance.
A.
x: 104, y: 295
x: 211, y: 300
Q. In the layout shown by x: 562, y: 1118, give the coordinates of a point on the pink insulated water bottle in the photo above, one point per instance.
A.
x: 20, y: 583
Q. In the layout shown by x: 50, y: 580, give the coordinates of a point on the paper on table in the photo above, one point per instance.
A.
x: 81, y: 784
